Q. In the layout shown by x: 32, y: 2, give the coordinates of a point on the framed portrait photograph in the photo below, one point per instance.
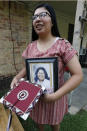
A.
x: 43, y: 71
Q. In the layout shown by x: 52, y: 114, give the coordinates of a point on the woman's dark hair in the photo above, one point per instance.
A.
x: 54, y: 29
x: 46, y: 75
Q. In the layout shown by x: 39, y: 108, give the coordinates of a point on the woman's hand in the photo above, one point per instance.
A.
x: 14, y: 82
x: 18, y: 78
x: 48, y: 97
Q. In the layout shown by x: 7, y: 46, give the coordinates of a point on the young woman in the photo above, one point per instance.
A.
x: 41, y: 78
x: 46, y: 42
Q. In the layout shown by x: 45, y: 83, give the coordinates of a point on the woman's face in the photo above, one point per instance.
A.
x: 42, y: 21
x: 41, y: 75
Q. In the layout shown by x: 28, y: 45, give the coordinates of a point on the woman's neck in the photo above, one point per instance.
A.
x: 46, y: 39
x: 45, y: 43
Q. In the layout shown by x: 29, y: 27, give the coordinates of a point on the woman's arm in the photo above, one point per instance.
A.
x: 20, y: 75
x: 75, y: 79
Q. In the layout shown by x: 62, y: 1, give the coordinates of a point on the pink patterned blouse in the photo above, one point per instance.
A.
x: 52, y: 113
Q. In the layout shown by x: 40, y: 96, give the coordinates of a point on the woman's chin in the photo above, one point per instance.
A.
x: 41, y: 80
x: 40, y: 33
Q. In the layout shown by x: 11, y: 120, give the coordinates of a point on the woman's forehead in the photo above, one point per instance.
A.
x: 40, y: 70
x: 39, y: 10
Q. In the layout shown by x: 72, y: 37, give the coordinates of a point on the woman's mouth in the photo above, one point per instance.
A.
x: 39, y: 26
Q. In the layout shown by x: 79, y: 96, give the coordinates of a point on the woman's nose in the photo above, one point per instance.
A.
x: 38, y: 18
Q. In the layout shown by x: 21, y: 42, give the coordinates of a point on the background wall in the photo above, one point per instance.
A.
x: 63, y: 23
x: 14, y: 36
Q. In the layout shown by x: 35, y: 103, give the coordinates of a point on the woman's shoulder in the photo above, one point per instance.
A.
x: 28, y: 51
x: 63, y: 43
x: 32, y: 43
x: 46, y: 80
x: 62, y: 40
x: 60, y: 43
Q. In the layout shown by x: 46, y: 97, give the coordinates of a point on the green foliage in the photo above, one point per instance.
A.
x: 76, y: 122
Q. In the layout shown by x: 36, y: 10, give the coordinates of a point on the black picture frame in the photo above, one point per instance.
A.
x: 50, y: 65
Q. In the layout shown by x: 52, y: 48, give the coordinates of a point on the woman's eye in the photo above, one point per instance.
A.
x: 34, y: 17
x: 43, y: 15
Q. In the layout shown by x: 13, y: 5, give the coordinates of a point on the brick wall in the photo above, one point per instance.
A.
x: 14, y: 36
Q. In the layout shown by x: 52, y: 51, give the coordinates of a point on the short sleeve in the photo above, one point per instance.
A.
x: 67, y: 51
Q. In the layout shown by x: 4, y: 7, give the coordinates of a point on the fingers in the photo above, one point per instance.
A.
x: 13, y: 85
x: 15, y: 82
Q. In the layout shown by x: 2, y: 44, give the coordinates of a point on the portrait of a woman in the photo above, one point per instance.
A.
x: 42, y: 78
